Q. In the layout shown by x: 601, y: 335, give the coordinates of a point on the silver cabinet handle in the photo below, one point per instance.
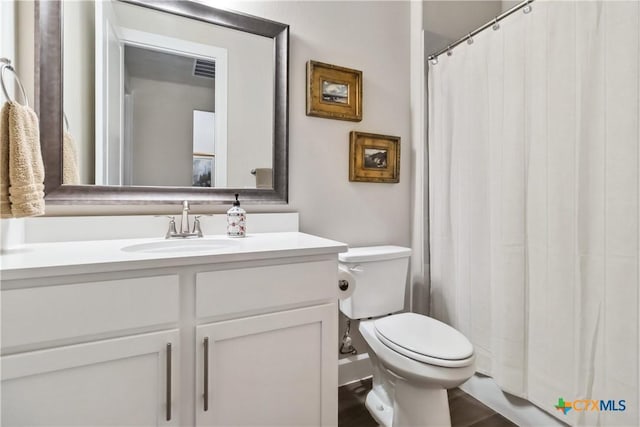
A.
x: 206, y: 373
x: 168, y: 381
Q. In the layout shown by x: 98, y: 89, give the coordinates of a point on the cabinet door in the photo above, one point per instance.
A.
x: 278, y: 369
x: 117, y: 382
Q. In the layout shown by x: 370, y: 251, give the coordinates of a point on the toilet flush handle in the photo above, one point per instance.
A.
x: 356, y: 268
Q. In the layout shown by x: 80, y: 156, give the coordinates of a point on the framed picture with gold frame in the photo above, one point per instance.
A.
x: 374, y: 158
x: 334, y: 92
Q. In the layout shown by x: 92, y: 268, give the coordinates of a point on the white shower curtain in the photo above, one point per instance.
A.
x: 534, y: 190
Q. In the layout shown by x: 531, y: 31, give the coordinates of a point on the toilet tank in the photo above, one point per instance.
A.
x: 380, y: 274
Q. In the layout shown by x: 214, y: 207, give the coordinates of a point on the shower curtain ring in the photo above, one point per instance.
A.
x: 495, y: 26
x: 449, y: 51
x: 433, y: 59
x: 527, y: 7
x: 469, y: 39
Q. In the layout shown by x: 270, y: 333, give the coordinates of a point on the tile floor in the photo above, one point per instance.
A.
x: 465, y: 410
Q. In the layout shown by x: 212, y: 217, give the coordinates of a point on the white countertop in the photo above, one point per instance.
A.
x: 65, y: 258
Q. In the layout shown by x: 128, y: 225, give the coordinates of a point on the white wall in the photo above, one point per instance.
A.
x: 23, y: 43
x: 7, y: 39
x: 447, y: 21
x: 368, y: 36
x: 163, y: 130
x: 508, y: 4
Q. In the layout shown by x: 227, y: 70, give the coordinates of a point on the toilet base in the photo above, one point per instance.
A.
x: 415, y: 405
x: 380, y: 412
x: 412, y: 407
x: 410, y: 393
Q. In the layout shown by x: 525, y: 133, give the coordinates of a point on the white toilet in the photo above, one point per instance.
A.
x: 415, y: 358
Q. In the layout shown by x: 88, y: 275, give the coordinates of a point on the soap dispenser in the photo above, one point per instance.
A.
x: 236, y: 218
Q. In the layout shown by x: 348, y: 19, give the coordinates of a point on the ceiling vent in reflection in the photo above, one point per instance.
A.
x: 204, y: 68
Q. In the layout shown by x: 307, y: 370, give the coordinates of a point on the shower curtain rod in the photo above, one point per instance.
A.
x: 526, y: 5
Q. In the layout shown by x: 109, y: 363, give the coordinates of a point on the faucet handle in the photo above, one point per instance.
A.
x: 196, y: 225
x: 172, y: 227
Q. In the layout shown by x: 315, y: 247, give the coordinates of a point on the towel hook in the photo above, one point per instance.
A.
x: 5, y: 64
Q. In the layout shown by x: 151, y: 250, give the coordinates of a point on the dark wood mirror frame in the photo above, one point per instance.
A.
x: 48, y: 103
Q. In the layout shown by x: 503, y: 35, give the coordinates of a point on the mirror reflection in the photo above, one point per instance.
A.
x: 155, y: 99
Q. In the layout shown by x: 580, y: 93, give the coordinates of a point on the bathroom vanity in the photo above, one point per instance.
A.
x: 211, y: 331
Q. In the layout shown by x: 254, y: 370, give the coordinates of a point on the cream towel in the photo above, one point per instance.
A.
x: 70, y: 172
x: 5, y: 205
x: 26, y: 170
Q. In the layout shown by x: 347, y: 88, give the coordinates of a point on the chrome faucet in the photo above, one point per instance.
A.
x: 184, y: 225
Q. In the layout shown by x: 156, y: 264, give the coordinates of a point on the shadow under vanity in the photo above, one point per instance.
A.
x: 93, y: 334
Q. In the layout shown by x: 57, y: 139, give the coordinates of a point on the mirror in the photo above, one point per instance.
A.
x: 161, y: 102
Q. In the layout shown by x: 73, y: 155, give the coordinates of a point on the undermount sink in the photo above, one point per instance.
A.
x: 182, y: 245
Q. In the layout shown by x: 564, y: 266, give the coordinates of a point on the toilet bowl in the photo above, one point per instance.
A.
x: 407, y: 391
x: 415, y: 358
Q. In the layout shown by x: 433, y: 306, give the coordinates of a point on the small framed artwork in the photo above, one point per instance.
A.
x: 202, y: 171
x: 374, y: 158
x: 334, y: 92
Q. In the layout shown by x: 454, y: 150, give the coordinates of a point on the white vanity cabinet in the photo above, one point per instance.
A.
x: 117, y: 382
x: 196, y: 341
x: 59, y: 369
x: 274, y: 369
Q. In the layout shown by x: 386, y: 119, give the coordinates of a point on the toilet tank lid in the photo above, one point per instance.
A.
x: 374, y: 253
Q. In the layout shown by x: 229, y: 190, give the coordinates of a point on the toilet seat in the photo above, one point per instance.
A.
x: 424, y: 339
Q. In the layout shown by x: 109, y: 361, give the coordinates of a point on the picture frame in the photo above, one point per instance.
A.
x: 203, y: 172
x: 334, y: 92
x: 374, y: 158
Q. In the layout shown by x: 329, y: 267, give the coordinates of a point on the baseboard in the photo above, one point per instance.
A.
x: 354, y: 368
x: 515, y: 409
